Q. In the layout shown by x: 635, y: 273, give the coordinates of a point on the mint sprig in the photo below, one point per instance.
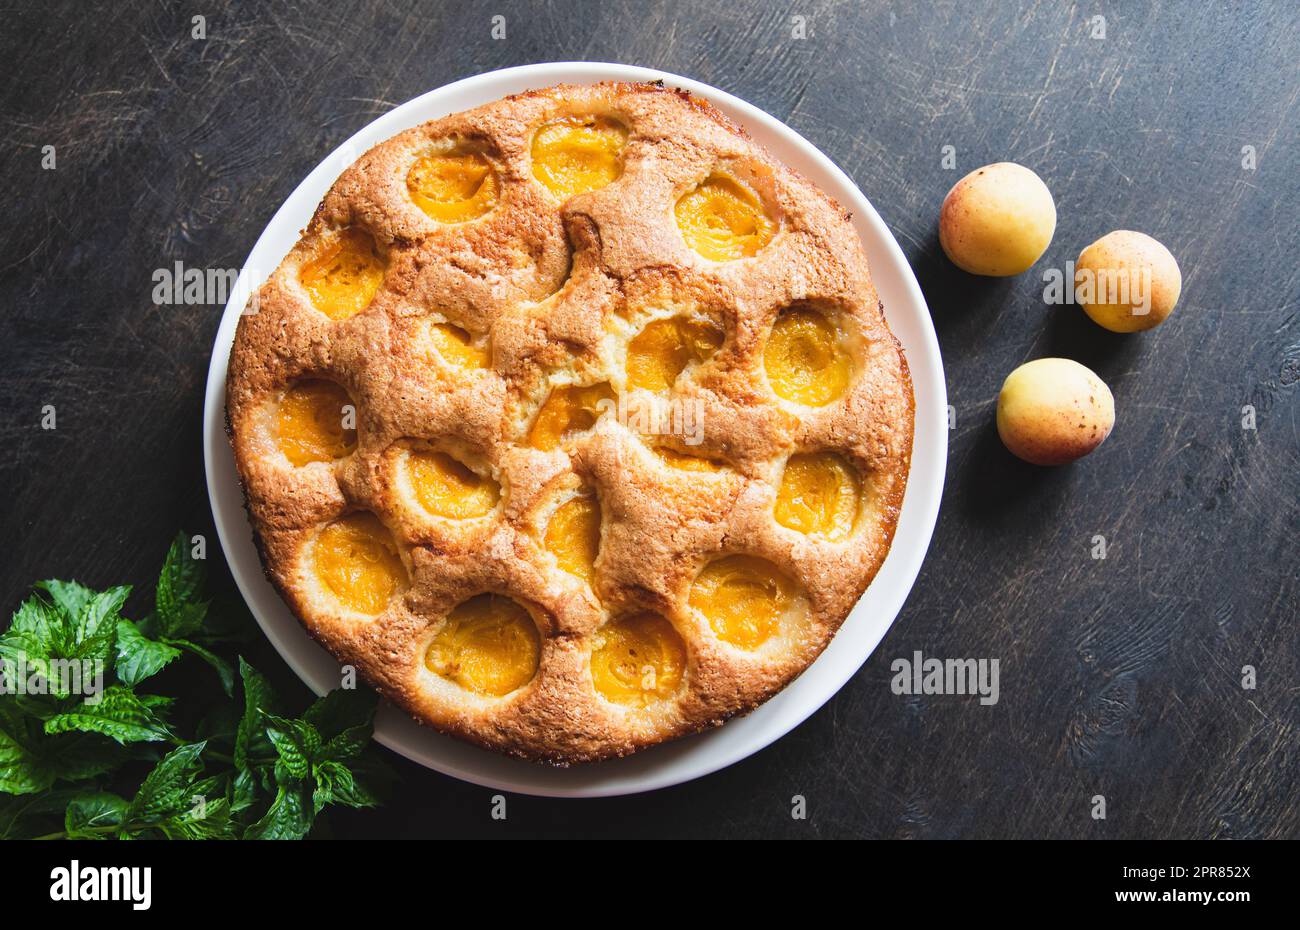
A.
x: 85, y: 753
x: 177, y: 622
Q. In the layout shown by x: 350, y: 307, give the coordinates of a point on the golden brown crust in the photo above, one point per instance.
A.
x: 560, y: 288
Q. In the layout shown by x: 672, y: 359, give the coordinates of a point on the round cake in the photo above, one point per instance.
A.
x: 572, y: 422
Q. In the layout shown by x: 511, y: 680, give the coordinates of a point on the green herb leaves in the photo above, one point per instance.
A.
x: 79, y: 754
x: 312, y: 761
x: 138, y: 656
x: 51, y: 644
x: 177, y: 621
x: 118, y: 713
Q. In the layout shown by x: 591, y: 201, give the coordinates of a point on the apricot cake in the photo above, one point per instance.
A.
x: 572, y: 421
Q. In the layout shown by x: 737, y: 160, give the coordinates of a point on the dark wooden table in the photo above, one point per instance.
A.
x: 1120, y: 677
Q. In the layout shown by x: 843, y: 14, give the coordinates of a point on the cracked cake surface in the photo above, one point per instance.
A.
x: 572, y: 421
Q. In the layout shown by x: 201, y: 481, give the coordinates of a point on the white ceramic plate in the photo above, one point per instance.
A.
x: 697, y: 755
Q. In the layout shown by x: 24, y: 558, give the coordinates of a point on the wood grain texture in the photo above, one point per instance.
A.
x: 1119, y: 677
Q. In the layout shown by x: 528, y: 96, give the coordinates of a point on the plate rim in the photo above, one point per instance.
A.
x: 681, y: 760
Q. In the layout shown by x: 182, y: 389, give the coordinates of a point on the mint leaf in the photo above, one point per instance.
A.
x: 179, y: 613
x: 21, y: 771
x: 70, y: 596
x: 373, y: 779
x: 349, y: 744
x: 138, y: 656
x: 340, y: 710
x: 88, y: 814
x: 289, y: 817
x: 78, y: 756
x: 165, y: 791
x: 251, y: 743
x: 243, y: 792
x: 41, y: 618
x: 31, y: 760
x: 209, y: 787
x: 336, y: 783
x: 183, y: 620
x: 44, y: 638
x: 119, y: 714
x: 95, y: 628
x: 296, y: 742
x: 205, y: 820
x: 308, y: 762
x: 345, y: 720
x: 23, y: 659
x: 181, y: 578
x: 223, y: 669
x: 32, y: 814
x: 38, y: 632
x: 49, y: 735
